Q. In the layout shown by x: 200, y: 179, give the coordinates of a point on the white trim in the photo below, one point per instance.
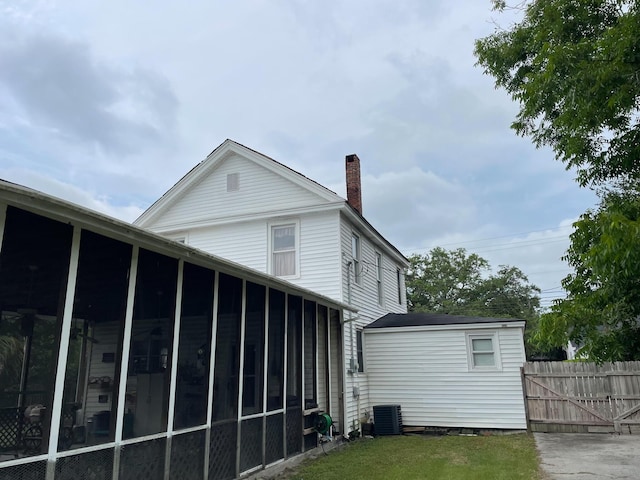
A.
x: 456, y: 326
x: 216, y: 158
x: 285, y: 372
x: 145, y: 438
x: 360, y: 368
x: 212, y: 364
x: 177, y: 317
x: 357, y: 258
x: 63, y: 350
x: 243, y: 317
x: 197, y: 428
x: 251, y: 417
x: 265, y: 371
x: 22, y: 461
x: 368, y: 231
x: 126, y: 343
x: 378, y: 260
x: 208, y: 222
x: 81, y: 450
x: 281, y: 223
x: 495, y: 345
x: 315, y: 342
x: 3, y: 219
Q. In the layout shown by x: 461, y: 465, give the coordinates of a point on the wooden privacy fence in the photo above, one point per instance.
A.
x: 582, y: 397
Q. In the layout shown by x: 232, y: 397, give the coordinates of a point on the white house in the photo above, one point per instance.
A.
x: 249, y: 208
x: 448, y: 371
x: 129, y: 356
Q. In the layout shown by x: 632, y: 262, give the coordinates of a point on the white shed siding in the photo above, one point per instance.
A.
x: 427, y: 372
x: 260, y: 190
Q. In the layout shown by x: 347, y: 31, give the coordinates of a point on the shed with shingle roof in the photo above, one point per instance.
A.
x: 447, y: 370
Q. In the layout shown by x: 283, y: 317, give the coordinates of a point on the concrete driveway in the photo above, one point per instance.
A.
x: 589, y: 456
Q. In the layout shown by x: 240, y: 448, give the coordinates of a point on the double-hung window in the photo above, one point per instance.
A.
x: 355, y: 255
x: 360, y: 351
x: 483, y: 351
x: 379, y: 277
x: 283, y: 250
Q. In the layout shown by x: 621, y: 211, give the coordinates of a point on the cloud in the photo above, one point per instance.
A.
x: 73, y: 193
x: 57, y: 84
x: 412, y: 207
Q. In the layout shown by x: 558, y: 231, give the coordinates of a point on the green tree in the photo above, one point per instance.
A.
x: 443, y: 281
x: 574, y: 68
x: 602, y: 310
x: 457, y: 283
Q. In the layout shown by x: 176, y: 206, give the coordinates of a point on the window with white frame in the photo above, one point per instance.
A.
x: 360, y: 351
x: 399, y: 282
x: 355, y: 255
x: 283, y: 250
x: 379, y: 277
x: 483, y: 351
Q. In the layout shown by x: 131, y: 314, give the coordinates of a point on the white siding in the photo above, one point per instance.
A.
x: 107, y: 335
x: 427, y: 373
x: 245, y: 243
x: 235, y: 225
x: 320, y: 254
x: 260, y: 190
x: 364, y: 297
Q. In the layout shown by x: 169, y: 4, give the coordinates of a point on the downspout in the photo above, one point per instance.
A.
x: 350, y: 320
x: 352, y: 369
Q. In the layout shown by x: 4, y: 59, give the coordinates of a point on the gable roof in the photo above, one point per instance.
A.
x: 420, y: 319
x: 212, y: 161
x: 228, y: 148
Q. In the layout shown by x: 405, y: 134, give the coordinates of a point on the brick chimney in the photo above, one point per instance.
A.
x: 352, y: 167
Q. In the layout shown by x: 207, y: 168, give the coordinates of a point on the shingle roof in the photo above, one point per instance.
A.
x: 426, y: 319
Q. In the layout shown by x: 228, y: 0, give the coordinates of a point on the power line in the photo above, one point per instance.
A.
x: 505, y: 236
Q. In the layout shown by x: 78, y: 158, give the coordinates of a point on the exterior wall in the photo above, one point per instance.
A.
x: 235, y: 225
x: 247, y: 243
x: 260, y: 190
x: 364, y: 297
x: 426, y: 371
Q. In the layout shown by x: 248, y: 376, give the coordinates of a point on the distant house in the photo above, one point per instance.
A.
x: 447, y: 370
x: 125, y: 355
x: 249, y: 208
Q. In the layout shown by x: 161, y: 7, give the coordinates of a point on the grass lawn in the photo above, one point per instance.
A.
x: 429, y: 457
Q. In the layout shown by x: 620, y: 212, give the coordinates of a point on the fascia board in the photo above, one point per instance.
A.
x: 456, y: 326
x: 288, y: 173
x: 375, y: 236
x: 213, y: 160
x: 179, y: 188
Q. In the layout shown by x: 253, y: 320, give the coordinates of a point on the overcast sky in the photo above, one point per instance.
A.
x: 108, y: 104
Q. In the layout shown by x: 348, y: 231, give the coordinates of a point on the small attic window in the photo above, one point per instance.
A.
x: 233, y: 182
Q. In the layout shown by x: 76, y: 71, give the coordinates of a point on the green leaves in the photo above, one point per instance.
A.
x: 602, y: 310
x: 453, y: 282
x: 573, y: 66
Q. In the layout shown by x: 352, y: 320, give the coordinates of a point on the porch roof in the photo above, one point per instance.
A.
x: 67, y: 212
